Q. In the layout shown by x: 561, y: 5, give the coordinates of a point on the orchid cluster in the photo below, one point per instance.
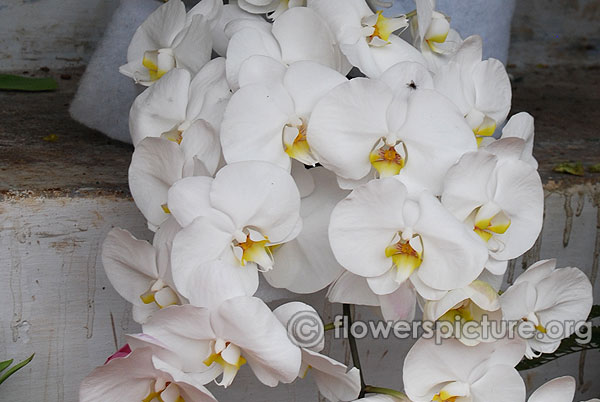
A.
x: 256, y: 155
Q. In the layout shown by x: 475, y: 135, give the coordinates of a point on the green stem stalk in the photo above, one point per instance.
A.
x: 354, y: 349
x: 411, y: 14
x: 385, y: 391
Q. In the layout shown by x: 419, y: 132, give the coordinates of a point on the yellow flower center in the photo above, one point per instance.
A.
x: 217, y: 358
x: 155, y: 395
x: 377, y: 28
x: 382, y: 27
x: 404, y: 256
x: 295, y: 143
x: 388, y: 160
x: 443, y: 396
x: 490, y: 220
x: 158, y: 62
x: 254, y: 249
x: 161, y: 294
x: 228, y: 356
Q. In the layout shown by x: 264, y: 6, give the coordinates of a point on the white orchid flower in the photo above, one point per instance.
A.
x: 353, y: 289
x: 520, y: 126
x: 452, y: 371
x: 432, y: 34
x: 171, y: 107
x: 467, y: 305
x: 170, y: 38
x: 306, y: 264
x: 560, y: 389
x: 158, y: 163
x: 273, y: 8
x: 269, y: 121
x: 234, y: 219
x: 546, y: 296
x: 207, y: 343
x: 368, y: 128
x: 501, y: 198
x: 432, y: 26
x: 140, y: 376
x: 297, y: 35
x: 139, y: 271
x: 381, y: 233
x: 334, y: 381
x: 367, y: 39
x: 480, y: 89
x: 231, y: 12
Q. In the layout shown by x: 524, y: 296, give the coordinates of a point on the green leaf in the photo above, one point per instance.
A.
x: 574, y: 168
x: 10, y: 82
x: 5, y: 364
x: 567, y: 346
x: 16, y: 368
x: 594, y: 168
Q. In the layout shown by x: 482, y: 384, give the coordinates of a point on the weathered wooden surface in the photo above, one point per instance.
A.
x: 53, y: 33
x: 59, y: 199
x: 64, y: 33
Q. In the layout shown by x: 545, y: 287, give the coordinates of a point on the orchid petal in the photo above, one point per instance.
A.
x: 364, y: 224
x: 258, y: 194
x: 129, y: 263
x: 155, y: 166
x: 161, y: 107
x: 248, y: 323
x: 352, y: 289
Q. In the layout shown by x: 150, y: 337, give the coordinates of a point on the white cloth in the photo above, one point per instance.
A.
x: 104, y: 97
x: 491, y: 19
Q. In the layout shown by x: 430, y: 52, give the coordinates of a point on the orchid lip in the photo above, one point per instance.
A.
x: 406, y: 255
x: 156, y: 390
x: 250, y: 245
x: 228, y: 356
x: 377, y: 28
x: 388, y: 160
x: 295, y: 143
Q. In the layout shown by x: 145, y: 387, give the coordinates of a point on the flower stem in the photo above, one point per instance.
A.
x: 411, y: 14
x: 369, y: 389
x: 329, y: 327
x: 354, y: 349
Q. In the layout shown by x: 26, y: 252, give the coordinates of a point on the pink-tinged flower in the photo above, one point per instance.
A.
x: 141, y: 377
x: 123, y: 352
